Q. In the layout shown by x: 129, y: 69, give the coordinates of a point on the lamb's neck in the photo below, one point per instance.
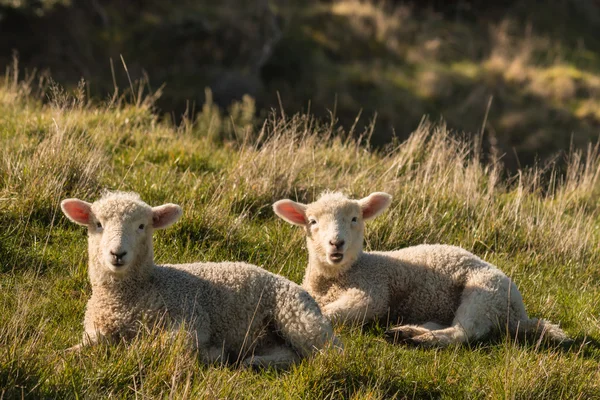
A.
x: 139, y: 278
x: 321, y: 274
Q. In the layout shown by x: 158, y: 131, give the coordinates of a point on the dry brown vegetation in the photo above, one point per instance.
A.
x: 531, y: 75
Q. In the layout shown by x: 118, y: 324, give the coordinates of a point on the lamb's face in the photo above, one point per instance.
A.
x: 121, y: 232
x: 120, y: 228
x: 334, y: 226
x: 335, y: 230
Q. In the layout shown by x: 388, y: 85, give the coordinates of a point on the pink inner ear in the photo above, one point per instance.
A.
x: 165, y: 215
x: 289, y: 211
x: 77, y: 211
x: 374, y: 206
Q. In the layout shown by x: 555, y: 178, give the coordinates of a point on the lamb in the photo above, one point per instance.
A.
x: 230, y: 311
x: 439, y: 294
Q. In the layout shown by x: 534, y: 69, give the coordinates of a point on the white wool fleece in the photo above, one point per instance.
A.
x: 439, y: 294
x: 233, y: 310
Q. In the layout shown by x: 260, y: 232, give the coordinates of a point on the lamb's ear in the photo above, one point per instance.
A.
x: 165, y: 215
x: 77, y: 211
x: 290, y: 211
x: 374, y: 204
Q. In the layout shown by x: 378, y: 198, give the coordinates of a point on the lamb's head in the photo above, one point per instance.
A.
x: 334, y: 226
x: 120, y: 227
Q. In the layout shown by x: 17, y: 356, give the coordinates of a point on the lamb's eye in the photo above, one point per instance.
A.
x: 98, y: 225
x: 141, y: 226
x: 312, y: 221
x: 354, y: 219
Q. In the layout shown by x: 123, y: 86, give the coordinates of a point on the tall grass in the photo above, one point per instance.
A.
x: 540, y: 226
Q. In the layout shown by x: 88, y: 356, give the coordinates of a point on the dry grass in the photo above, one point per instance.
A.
x: 382, y: 57
x: 402, y: 62
x: 539, y: 226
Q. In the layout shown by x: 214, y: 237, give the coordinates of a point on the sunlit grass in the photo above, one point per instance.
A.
x: 541, y: 228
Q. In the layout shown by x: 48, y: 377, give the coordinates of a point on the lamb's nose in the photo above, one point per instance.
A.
x: 337, y: 243
x: 118, y: 256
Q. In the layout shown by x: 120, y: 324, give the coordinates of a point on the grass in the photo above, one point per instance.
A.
x: 532, y: 76
x: 540, y: 227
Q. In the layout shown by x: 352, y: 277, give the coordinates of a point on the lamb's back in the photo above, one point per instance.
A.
x: 233, y: 294
x: 451, y: 261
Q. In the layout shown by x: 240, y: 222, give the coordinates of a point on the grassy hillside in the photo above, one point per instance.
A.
x: 540, y: 228
x: 531, y: 72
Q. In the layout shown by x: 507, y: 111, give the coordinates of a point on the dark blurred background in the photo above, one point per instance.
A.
x: 532, y: 68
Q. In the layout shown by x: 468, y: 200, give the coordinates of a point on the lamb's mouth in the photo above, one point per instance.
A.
x: 336, y: 257
x: 118, y: 269
x: 117, y: 264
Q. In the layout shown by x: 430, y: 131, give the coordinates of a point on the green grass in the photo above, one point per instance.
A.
x: 542, y: 229
x: 532, y: 73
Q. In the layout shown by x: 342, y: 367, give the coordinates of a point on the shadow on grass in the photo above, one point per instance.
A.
x: 19, y: 382
x: 216, y: 241
x: 20, y: 250
x: 584, y: 346
x: 347, y: 382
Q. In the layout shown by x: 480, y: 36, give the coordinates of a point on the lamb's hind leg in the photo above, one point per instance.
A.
x: 404, y: 333
x: 440, y: 337
x: 482, y: 307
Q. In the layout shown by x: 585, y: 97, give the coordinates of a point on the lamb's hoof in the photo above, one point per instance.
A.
x: 254, y: 363
x: 428, y: 340
x: 396, y: 337
x: 402, y: 334
x: 259, y: 364
x: 567, y: 342
x: 74, y: 349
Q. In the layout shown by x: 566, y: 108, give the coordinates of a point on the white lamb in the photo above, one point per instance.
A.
x: 232, y: 311
x: 440, y: 294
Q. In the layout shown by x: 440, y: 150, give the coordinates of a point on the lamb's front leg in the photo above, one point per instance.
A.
x: 89, y: 339
x: 353, y: 307
x: 201, y: 341
x: 278, y: 357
